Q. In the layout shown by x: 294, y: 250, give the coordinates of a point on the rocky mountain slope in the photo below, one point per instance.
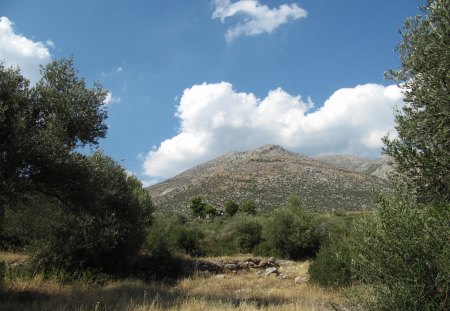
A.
x: 268, y: 175
x: 380, y: 167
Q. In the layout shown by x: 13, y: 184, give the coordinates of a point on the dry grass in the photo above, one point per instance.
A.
x: 11, y: 257
x: 242, y: 291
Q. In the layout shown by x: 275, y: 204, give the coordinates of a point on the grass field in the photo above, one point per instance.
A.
x: 247, y: 290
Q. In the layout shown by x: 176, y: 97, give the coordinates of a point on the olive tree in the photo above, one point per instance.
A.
x: 422, y: 149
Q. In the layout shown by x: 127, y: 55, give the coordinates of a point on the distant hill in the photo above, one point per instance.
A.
x: 269, y: 175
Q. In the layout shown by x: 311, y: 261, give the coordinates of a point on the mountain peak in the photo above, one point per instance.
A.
x: 267, y: 175
x: 270, y: 147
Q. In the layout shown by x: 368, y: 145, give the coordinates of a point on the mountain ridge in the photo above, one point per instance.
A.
x: 268, y: 175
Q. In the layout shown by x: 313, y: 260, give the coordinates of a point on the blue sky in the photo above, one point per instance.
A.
x: 191, y: 80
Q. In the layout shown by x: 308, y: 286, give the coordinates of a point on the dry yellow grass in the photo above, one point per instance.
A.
x: 245, y: 291
x: 11, y: 257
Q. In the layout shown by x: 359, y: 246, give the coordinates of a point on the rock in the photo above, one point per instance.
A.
x: 243, y: 265
x: 231, y: 266
x: 252, y: 264
x: 220, y: 276
x: 271, y: 270
x: 202, y: 265
x: 283, y: 276
x: 299, y: 280
x: 262, y: 264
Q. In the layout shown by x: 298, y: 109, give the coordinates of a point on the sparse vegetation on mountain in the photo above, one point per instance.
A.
x: 268, y: 176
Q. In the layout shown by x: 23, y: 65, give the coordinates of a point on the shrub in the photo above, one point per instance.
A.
x: 231, y: 208
x: 403, y: 252
x: 248, y: 207
x: 176, y: 234
x: 332, y: 265
x: 247, y: 234
x: 105, y: 218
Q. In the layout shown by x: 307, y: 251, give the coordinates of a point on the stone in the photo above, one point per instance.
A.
x: 298, y: 280
x: 271, y: 270
x: 231, y: 266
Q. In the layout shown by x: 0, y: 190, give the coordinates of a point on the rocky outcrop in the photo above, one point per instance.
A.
x: 233, y: 266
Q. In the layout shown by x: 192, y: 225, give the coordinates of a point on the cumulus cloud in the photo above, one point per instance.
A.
x: 17, y: 50
x: 256, y: 18
x: 110, y: 99
x: 215, y: 119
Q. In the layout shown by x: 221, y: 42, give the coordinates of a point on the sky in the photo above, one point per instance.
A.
x: 192, y: 80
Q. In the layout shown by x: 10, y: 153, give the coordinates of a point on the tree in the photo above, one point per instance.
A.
x: 248, y: 207
x: 402, y: 251
x: 422, y: 149
x: 197, y: 206
x: 41, y: 126
x: 231, y: 208
x: 106, y: 215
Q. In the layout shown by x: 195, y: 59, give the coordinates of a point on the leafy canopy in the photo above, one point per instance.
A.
x: 41, y: 126
x: 422, y: 149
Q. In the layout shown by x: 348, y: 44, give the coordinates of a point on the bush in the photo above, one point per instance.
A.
x: 105, y: 218
x: 403, y: 252
x: 294, y: 233
x: 231, y: 208
x: 332, y: 265
x: 176, y: 234
x: 247, y: 234
x: 248, y: 207
x: 29, y: 222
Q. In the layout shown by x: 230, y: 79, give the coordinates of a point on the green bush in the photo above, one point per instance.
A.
x: 104, y: 219
x: 176, y: 234
x: 248, y: 207
x: 294, y: 233
x: 247, y: 234
x: 231, y: 208
x: 403, y: 252
x: 29, y: 222
x: 332, y: 265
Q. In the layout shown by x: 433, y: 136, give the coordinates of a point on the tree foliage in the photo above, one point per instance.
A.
x: 98, y: 214
x: 41, y: 126
x: 104, y: 219
x: 248, y: 207
x: 422, y: 149
x: 403, y: 252
x: 231, y: 208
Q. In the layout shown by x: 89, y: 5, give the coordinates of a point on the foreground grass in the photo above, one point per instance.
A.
x: 241, y: 291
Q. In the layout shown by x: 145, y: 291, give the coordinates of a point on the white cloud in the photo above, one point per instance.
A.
x: 110, y: 99
x: 256, y: 18
x: 215, y: 119
x: 119, y: 69
x: 17, y: 50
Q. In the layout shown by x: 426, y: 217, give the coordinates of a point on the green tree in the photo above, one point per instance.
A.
x: 197, y: 206
x: 231, y: 208
x: 210, y: 210
x: 41, y: 127
x: 105, y: 217
x: 248, y: 207
x: 403, y: 252
x: 422, y: 149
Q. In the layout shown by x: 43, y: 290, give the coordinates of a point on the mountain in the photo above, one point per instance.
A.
x: 268, y: 175
x: 380, y: 167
